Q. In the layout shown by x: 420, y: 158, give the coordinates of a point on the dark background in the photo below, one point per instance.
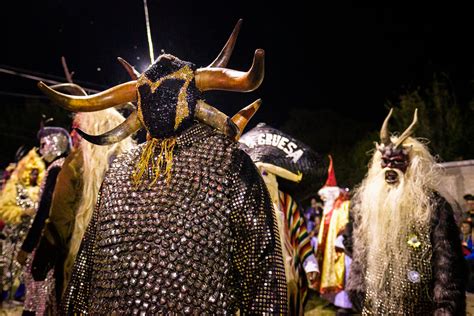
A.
x: 345, y: 59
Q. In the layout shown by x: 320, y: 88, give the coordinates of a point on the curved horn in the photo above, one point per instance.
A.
x: 71, y: 86
x: 224, y: 56
x: 384, y: 133
x: 407, y: 133
x: 242, y: 117
x: 133, y: 73
x: 281, y: 172
x: 213, y: 117
x: 119, y: 133
x: 123, y: 93
x: 232, y: 80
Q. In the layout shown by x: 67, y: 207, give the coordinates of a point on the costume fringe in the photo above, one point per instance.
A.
x: 161, y: 164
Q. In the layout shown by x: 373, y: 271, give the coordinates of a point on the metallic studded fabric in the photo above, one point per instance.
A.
x: 415, y: 280
x: 205, y: 243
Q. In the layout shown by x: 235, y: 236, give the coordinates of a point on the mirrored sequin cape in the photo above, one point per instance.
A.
x: 205, y: 243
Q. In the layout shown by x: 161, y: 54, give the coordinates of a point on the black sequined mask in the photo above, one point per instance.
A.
x: 167, y: 96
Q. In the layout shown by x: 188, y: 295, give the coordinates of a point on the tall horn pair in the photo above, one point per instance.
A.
x: 212, y: 77
x: 228, y: 79
x: 407, y: 133
x: 385, y: 134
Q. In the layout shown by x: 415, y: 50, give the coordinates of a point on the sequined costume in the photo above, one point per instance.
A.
x: 205, y: 243
x: 184, y: 223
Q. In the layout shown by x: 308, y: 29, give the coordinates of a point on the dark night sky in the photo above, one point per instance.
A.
x: 318, y: 55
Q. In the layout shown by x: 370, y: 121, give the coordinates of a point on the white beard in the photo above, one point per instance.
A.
x: 387, y: 213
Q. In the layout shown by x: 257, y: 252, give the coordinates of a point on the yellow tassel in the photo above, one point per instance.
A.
x: 162, y: 165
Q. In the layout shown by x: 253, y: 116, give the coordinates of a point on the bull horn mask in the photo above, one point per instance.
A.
x: 169, y: 96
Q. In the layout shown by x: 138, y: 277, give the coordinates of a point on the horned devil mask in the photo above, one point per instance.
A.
x: 169, y: 96
x: 395, y: 156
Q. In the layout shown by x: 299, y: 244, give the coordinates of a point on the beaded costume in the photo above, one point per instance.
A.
x: 184, y: 223
x: 205, y: 243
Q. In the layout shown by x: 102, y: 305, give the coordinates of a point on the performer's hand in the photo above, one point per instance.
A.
x: 312, y: 278
x: 21, y: 257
